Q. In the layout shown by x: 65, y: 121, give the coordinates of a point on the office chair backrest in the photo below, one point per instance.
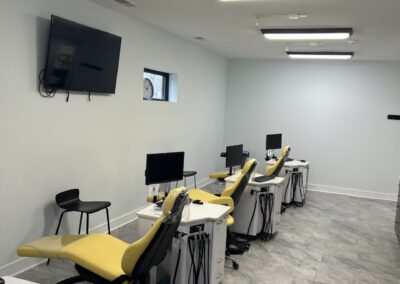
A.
x: 68, y: 197
x: 152, y: 248
x: 275, y: 169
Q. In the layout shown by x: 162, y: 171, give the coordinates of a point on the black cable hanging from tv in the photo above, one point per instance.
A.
x: 45, y: 92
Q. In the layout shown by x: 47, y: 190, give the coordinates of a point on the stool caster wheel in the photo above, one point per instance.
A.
x: 235, y: 265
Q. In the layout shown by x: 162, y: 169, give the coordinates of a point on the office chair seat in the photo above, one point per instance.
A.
x: 87, y: 206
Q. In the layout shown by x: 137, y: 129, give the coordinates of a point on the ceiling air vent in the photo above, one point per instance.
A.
x: 126, y: 3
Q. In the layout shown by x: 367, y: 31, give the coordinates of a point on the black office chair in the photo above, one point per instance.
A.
x: 70, y: 202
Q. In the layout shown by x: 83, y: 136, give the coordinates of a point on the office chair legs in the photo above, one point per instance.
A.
x: 87, y: 223
x: 235, y: 265
x: 80, y: 223
x: 108, y: 222
x: 58, y: 228
x: 75, y: 279
x: 59, y: 222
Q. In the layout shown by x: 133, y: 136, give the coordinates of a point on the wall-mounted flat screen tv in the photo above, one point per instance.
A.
x: 81, y: 58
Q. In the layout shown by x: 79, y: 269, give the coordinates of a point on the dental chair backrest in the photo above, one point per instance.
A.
x: 236, y: 189
x: 249, y: 167
x: 276, y: 168
x: 155, y: 243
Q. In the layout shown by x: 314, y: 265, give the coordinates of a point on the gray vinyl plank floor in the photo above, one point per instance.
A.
x: 332, y: 239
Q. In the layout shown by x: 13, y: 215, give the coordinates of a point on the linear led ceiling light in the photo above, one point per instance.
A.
x: 321, y: 55
x: 308, y: 34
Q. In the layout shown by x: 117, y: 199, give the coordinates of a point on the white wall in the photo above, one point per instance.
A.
x: 48, y: 145
x: 331, y: 113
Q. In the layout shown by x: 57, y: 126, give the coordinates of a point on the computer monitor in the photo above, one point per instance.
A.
x: 234, y: 156
x: 164, y: 167
x: 273, y: 141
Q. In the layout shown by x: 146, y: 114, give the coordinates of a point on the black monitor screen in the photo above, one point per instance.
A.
x: 81, y: 58
x: 234, y: 156
x: 164, y: 167
x: 274, y: 141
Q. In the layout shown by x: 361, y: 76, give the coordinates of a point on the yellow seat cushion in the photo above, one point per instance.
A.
x: 198, y: 194
x: 99, y: 253
x: 223, y: 175
x: 219, y: 175
x: 48, y: 247
x: 230, y: 221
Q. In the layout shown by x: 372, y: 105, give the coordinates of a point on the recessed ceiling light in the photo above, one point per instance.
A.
x: 307, y: 34
x: 297, y: 16
x: 321, y: 55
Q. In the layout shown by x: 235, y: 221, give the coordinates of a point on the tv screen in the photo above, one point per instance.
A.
x: 164, y: 167
x: 234, y: 156
x: 81, y: 58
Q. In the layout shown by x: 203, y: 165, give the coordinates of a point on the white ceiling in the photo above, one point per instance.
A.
x: 229, y: 27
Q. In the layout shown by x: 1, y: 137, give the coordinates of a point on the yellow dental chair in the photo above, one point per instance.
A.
x: 275, y: 169
x: 222, y: 175
x: 230, y: 197
x: 102, y: 258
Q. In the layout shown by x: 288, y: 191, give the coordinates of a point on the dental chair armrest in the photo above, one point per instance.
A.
x: 227, y: 201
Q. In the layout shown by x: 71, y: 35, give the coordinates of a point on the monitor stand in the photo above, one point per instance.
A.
x: 154, y: 189
x: 270, y: 155
x: 154, y: 193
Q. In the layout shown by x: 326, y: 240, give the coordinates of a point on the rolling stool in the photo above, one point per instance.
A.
x: 189, y: 174
x: 70, y: 202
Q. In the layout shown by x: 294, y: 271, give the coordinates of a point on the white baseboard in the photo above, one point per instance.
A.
x: 24, y: 263
x: 20, y: 265
x: 352, y: 192
x: 202, y: 183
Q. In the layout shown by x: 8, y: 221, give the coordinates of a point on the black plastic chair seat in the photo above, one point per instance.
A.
x: 87, y: 206
x: 189, y: 173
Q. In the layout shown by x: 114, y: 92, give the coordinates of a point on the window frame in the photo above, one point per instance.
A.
x: 165, y: 88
